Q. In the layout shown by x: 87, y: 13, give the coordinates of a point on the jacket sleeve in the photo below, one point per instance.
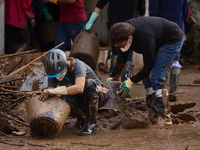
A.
x: 153, y: 7
x: 141, y: 7
x: 148, y: 50
x: 185, y: 10
x: 101, y: 4
x: 27, y: 9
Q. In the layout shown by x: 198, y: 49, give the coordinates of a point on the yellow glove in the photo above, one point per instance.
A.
x: 109, y: 79
x: 54, y: 1
x: 124, y: 88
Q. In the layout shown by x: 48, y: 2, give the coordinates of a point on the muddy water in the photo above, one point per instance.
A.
x: 180, y: 137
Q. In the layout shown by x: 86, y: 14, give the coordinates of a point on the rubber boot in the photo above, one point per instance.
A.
x: 113, y: 62
x: 196, y: 81
x: 79, y: 114
x: 151, y: 104
x: 127, y: 71
x: 174, y: 82
x: 21, y: 48
x: 91, y: 111
x: 163, y: 107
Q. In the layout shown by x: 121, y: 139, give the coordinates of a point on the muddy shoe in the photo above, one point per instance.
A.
x: 168, y: 122
x: 162, y: 123
x: 79, y: 123
x: 196, y: 81
x: 159, y: 125
x: 172, y: 98
x: 88, y: 130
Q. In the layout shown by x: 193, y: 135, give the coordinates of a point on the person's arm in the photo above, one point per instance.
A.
x: 141, y: 8
x: 153, y: 7
x: 77, y: 88
x: 185, y: 10
x: 95, y: 14
x: 27, y: 9
x: 121, y: 61
x: 148, y: 50
x: 61, y: 1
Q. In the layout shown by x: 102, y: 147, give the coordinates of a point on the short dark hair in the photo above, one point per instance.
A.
x: 120, y: 32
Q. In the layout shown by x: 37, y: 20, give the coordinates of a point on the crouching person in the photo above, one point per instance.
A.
x: 82, y: 89
x: 159, y: 41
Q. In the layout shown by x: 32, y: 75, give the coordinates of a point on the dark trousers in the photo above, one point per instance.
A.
x: 10, y: 32
x: 91, y: 91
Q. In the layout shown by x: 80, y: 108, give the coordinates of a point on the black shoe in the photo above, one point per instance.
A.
x: 88, y: 130
x: 79, y: 123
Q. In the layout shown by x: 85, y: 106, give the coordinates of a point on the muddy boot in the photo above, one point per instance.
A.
x: 196, y: 81
x: 113, y: 62
x: 163, y: 107
x: 174, y: 80
x: 91, y: 111
x: 79, y: 114
x: 127, y: 71
x: 151, y: 104
x: 21, y: 48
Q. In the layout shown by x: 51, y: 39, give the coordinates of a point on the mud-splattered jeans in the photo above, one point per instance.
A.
x: 165, y: 56
x: 67, y: 32
x: 91, y: 91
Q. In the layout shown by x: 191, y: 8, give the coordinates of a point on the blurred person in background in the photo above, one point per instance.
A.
x: 178, y: 12
x: 16, y: 14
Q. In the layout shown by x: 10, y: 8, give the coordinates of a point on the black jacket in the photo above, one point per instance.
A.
x: 150, y: 34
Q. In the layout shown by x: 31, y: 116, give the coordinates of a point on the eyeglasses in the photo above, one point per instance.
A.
x: 123, y: 45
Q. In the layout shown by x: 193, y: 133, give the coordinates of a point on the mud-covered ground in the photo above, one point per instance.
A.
x: 130, y: 128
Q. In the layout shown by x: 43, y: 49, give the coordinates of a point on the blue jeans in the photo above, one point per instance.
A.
x: 68, y: 31
x: 165, y: 56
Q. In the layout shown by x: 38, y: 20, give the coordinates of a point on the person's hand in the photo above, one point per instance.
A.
x: 93, y: 17
x: 51, y: 1
x: 46, y: 14
x: 32, y: 23
x: 124, y: 88
x: 109, y: 79
x: 44, y: 96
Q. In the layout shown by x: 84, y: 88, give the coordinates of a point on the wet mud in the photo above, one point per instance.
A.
x: 128, y: 129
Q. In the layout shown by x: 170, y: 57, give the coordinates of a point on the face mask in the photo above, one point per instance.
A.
x: 126, y: 48
x: 61, y: 77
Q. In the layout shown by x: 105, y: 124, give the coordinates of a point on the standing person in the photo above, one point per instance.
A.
x: 159, y: 41
x: 119, y: 11
x: 72, y: 20
x: 78, y: 83
x: 176, y: 11
x: 16, y: 14
x: 32, y: 31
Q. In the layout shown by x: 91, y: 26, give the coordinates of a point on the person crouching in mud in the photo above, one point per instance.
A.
x: 83, y: 90
x: 159, y: 41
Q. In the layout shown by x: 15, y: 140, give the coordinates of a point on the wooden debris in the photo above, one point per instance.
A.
x: 4, y: 79
x: 13, y: 119
x: 12, y: 143
x: 10, y: 55
x: 9, y: 87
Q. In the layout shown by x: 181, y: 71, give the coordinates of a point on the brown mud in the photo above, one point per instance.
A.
x: 128, y: 129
